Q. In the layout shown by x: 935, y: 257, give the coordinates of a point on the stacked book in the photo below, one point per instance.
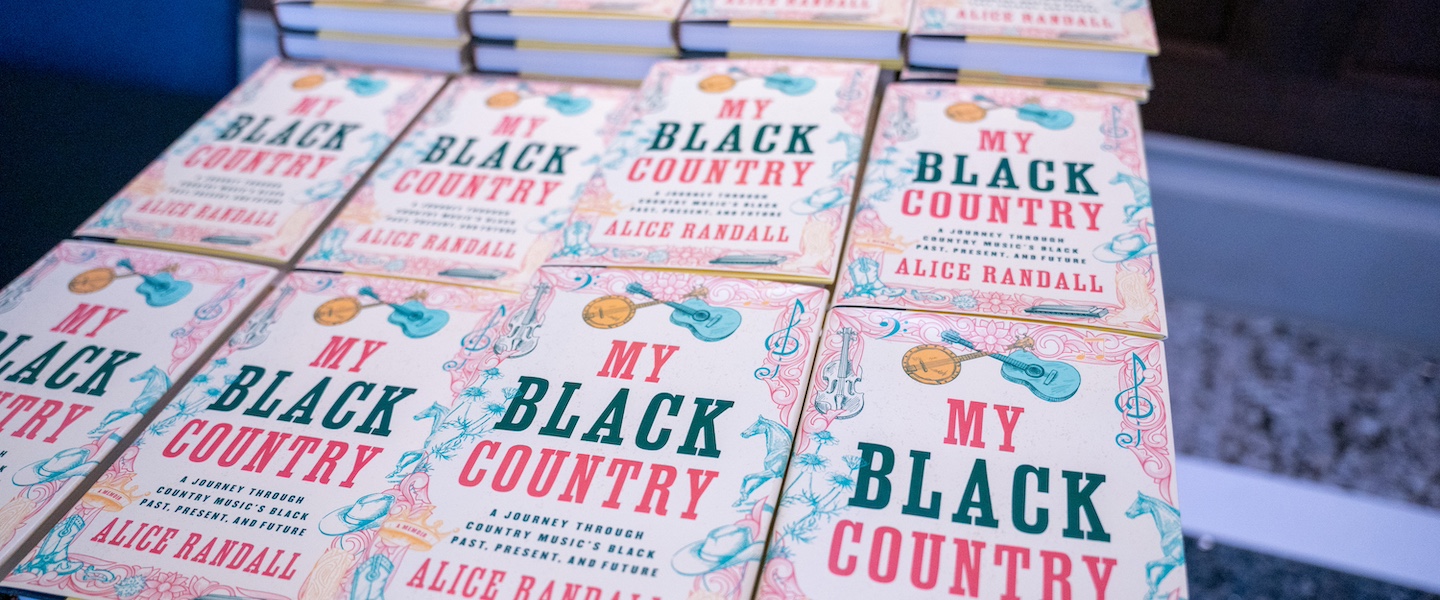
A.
x: 865, y: 30
x: 1091, y: 45
x: 406, y: 335
x: 412, y: 34
x: 615, y: 41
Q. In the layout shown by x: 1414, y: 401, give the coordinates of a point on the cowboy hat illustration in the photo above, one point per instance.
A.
x: 722, y: 548
x: 1124, y: 247
x: 365, y: 513
x: 64, y: 465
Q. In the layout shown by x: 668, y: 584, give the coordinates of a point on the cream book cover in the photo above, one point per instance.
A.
x: 259, y: 173
x: 944, y: 456
x: 477, y: 191
x: 287, y: 468
x: 745, y: 166
x: 626, y: 439
x: 1009, y: 202
x: 92, y: 339
x: 1120, y: 24
x: 664, y: 10
x: 869, y: 14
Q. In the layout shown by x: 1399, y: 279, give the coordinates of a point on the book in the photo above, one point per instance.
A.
x: 1139, y: 93
x: 257, y: 175
x: 1087, y: 40
x: 476, y: 192
x: 850, y: 29
x: 613, y: 65
x: 93, y: 338
x: 1010, y: 202
x: 946, y: 455
x: 286, y: 468
x: 435, y: 19
x: 636, y: 430
x: 730, y: 165
x: 426, y: 54
x: 625, y: 23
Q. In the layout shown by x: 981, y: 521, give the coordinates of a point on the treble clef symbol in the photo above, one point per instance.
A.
x: 1114, y: 130
x: 1133, y: 406
x: 477, y: 340
x: 782, y: 343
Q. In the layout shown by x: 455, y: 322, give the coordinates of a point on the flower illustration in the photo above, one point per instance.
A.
x: 812, y: 461
x: 823, y: 438
x: 168, y: 586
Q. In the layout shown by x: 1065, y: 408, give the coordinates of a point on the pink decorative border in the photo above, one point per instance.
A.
x: 1137, y: 304
x: 1052, y: 342
x: 822, y: 232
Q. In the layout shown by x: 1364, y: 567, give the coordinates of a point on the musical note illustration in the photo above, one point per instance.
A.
x: 783, y: 342
x: 1133, y: 406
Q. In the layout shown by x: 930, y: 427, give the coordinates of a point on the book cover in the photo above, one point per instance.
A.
x: 627, y: 439
x: 867, y: 14
x: 92, y: 337
x: 662, y: 10
x: 1139, y: 93
x: 259, y: 173
x: 1010, y: 202
x: 286, y: 468
x: 730, y: 165
x: 1120, y: 24
x: 477, y: 191
x: 953, y: 456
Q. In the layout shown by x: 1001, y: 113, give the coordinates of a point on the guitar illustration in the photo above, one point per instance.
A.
x: 518, y: 338
x: 609, y: 312
x: 707, y: 323
x: 839, y: 377
x: 160, y: 289
x: 411, y: 316
x: 1054, y: 119
x: 1051, y: 381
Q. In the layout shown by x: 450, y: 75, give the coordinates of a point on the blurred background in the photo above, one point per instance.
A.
x: 1294, y: 151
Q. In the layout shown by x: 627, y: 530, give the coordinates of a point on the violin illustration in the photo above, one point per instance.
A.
x: 518, y: 338
x: 411, y: 316
x: 839, y: 377
x: 160, y: 289
x: 707, y: 323
x: 257, y: 328
x: 1049, y: 380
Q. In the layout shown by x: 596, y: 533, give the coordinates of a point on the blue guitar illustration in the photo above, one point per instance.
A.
x: 1054, y: 119
x: 1049, y: 380
x: 411, y: 316
x: 839, y: 394
x: 518, y: 338
x: 707, y: 323
x: 160, y: 290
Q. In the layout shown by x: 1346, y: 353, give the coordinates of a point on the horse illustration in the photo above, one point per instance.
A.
x: 852, y: 152
x: 777, y: 453
x: 156, y: 384
x: 1140, y: 189
x: 1172, y: 542
x: 450, y: 428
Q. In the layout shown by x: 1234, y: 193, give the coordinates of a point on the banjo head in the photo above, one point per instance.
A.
x: 931, y: 364
x: 92, y: 281
x: 337, y: 311
x: 608, y: 312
